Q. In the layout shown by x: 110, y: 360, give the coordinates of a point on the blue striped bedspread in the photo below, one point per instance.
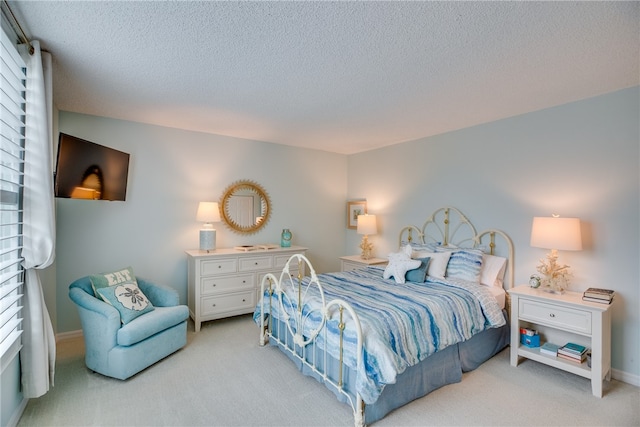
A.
x: 402, y: 324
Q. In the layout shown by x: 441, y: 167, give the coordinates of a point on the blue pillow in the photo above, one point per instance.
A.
x: 128, y: 299
x: 419, y: 275
x: 465, y: 264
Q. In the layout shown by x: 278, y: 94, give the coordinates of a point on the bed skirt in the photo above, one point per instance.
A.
x: 441, y: 368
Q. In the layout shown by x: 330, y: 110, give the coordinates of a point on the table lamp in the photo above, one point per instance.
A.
x: 208, y: 212
x: 555, y: 233
x: 366, y: 226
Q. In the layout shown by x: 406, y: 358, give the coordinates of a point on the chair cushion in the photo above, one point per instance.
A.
x: 151, y: 323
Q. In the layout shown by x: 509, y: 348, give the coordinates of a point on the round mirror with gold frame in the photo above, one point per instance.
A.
x: 245, y: 207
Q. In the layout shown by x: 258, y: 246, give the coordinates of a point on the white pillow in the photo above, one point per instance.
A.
x: 493, y: 269
x: 438, y: 263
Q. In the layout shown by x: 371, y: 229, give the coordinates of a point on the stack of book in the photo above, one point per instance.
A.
x: 573, y: 352
x: 549, y: 349
x: 604, y: 296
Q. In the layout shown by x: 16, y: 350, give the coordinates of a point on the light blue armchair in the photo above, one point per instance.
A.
x: 118, y: 350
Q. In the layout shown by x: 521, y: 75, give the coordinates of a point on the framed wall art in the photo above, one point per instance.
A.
x: 355, y: 208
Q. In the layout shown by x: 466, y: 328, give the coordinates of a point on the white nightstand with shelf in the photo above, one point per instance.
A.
x: 560, y: 319
x: 353, y: 262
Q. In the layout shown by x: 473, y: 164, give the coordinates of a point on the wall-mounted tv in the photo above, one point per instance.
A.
x: 86, y: 170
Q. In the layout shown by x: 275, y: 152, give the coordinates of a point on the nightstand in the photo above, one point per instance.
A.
x: 353, y: 262
x: 560, y: 319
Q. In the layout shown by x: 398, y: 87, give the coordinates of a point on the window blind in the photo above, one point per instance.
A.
x: 12, y: 141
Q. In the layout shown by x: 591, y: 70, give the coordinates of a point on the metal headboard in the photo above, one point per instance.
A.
x: 448, y: 226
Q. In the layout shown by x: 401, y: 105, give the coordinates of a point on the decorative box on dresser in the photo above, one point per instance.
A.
x: 353, y: 262
x: 560, y: 319
x: 226, y: 282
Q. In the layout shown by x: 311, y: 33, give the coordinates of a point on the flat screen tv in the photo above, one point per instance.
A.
x: 86, y: 170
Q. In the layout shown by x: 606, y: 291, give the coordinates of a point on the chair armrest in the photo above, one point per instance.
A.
x: 91, y: 303
x: 100, y: 322
x: 160, y: 296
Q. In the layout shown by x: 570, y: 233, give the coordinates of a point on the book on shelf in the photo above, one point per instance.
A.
x: 605, y: 294
x: 572, y: 351
x: 549, y: 349
x: 565, y: 353
x: 598, y: 300
x: 571, y: 358
x: 245, y: 248
x: 573, y: 348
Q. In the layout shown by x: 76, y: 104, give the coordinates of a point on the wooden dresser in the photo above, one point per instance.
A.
x: 226, y: 282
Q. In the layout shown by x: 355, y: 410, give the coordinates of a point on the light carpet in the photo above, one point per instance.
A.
x: 224, y: 378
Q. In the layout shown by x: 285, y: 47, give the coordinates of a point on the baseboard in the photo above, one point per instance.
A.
x: 625, y: 377
x: 15, y: 418
x: 67, y: 336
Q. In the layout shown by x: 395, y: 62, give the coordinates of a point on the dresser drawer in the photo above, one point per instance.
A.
x: 211, y: 285
x: 281, y: 260
x: 256, y: 263
x: 240, y: 301
x: 349, y: 266
x: 556, y: 316
x: 218, y: 266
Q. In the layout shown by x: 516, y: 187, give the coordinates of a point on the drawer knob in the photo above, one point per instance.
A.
x: 244, y: 300
x: 552, y: 315
x: 219, y: 266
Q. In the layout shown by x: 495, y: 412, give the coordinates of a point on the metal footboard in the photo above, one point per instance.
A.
x: 302, y: 344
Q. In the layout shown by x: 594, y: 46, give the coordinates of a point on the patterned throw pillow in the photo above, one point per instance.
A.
x: 104, y: 280
x: 128, y: 299
x: 465, y: 264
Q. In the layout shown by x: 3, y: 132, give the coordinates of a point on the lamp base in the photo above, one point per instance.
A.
x: 207, y: 239
x: 367, y: 248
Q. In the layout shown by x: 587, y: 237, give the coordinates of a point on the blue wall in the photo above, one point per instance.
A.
x: 578, y: 160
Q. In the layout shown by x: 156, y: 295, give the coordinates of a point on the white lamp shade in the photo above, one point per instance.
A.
x: 367, y: 224
x: 208, y: 212
x: 556, y: 233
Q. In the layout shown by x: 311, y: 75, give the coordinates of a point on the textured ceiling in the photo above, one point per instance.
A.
x: 337, y: 76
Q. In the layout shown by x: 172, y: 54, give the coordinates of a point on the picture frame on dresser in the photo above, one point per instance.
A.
x: 355, y: 208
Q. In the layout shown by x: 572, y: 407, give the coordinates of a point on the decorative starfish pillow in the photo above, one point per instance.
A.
x: 399, y: 264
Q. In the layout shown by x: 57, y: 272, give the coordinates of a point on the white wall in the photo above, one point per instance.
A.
x: 171, y: 171
x: 578, y: 160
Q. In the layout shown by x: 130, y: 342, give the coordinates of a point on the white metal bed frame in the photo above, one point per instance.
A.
x: 450, y: 228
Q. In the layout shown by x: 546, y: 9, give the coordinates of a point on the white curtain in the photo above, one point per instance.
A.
x: 38, y: 354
